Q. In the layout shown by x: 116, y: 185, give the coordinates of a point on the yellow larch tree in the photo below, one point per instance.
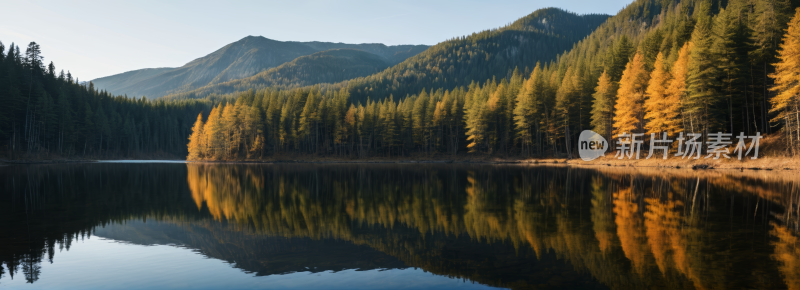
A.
x: 787, y: 254
x: 787, y: 80
x: 676, y: 91
x: 631, y: 230
x: 196, y: 149
x: 630, y: 97
x: 213, y: 134
x: 656, y: 100
x: 230, y: 127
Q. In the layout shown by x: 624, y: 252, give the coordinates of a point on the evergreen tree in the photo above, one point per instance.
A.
x: 420, y: 121
x: 730, y: 51
x: 603, y: 106
x: 703, y: 95
x: 528, y: 111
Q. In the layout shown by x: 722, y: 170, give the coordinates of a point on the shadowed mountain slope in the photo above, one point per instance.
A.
x: 538, y: 37
x: 241, y: 59
x: 328, y: 66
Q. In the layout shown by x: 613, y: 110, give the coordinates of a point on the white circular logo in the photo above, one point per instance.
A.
x: 591, y: 145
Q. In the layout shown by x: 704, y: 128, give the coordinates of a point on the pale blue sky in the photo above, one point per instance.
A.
x: 93, y: 39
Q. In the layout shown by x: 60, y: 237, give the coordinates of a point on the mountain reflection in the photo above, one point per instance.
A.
x: 508, y: 226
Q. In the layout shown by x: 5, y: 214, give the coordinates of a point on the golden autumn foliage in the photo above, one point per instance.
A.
x: 663, y: 222
x: 787, y: 253
x: 631, y: 230
x: 676, y: 91
x: 210, y: 131
x: 629, y: 108
x: 656, y: 103
x: 787, y: 72
x: 196, y: 148
x: 647, y: 235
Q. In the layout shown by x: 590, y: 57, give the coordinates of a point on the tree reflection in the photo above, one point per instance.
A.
x: 496, y: 225
x: 787, y: 254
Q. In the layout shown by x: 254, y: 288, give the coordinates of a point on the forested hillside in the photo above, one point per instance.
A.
x: 46, y: 114
x: 540, y: 36
x: 241, y: 59
x: 328, y: 66
x: 657, y: 66
x: 672, y: 67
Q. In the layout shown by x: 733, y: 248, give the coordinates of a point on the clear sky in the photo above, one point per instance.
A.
x: 94, y: 39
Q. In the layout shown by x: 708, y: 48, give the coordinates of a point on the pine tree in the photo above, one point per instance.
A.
x: 730, y: 48
x: 494, y: 116
x: 420, y: 122
x: 528, y: 111
x: 474, y: 118
x: 620, y: 56
x: 389, y: 133
x: 703, y: 97
x: 566, y: 109
x: 603, y: 107
x: 66, y: 129
x: 103, y: 128
x: 310, y: 117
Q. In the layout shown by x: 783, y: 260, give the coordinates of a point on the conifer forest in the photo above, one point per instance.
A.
x: 658, y: 66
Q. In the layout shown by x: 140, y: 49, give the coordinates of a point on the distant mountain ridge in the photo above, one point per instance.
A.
x: 329, y: 66
x: 240, y: 59
x: 537, y: 37
x: 119, y: 81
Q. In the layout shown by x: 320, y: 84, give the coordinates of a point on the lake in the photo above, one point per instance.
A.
x: 395, y: 226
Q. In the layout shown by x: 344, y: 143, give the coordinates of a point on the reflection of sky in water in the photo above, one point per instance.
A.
x: 106, y: 264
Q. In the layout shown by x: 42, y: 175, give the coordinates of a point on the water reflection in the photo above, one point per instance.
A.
x: 505, y: 226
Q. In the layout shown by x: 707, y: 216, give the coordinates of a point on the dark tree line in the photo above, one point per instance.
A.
x: 47, y: 113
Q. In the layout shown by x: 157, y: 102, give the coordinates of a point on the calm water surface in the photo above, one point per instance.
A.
x: 225, y: 226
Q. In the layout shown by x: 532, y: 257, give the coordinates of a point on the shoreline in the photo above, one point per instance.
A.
x: 764, y: 163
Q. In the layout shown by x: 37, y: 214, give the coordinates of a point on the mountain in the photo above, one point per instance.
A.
x: 391, y: 54
x: 241, y: 59
x: 329, y: 66
x: 538, y: 37
x: 117, y: 82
